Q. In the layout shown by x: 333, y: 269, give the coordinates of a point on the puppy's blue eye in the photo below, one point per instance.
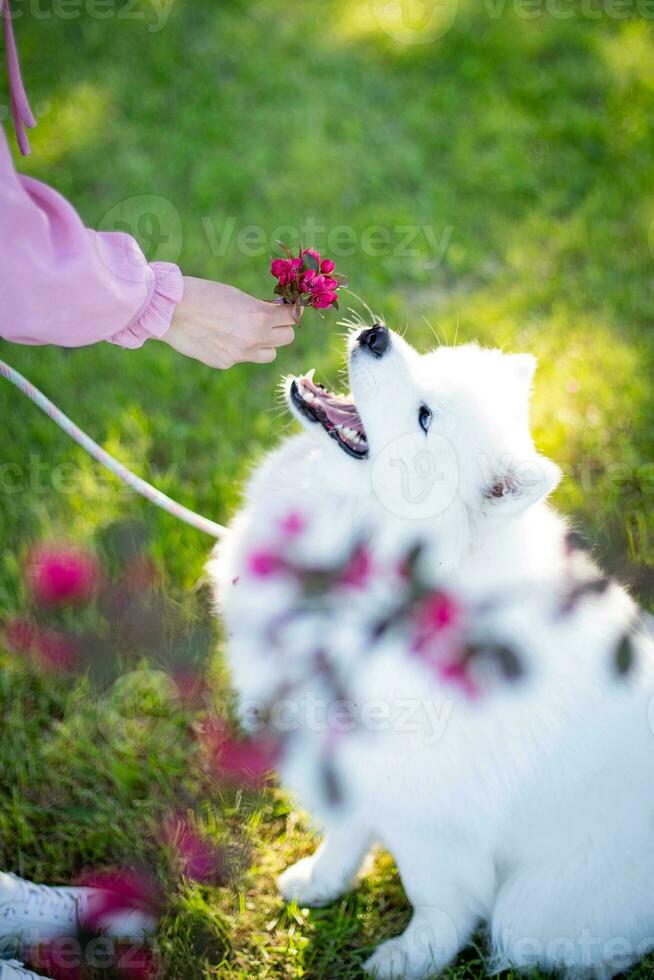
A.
x: 424, y: 418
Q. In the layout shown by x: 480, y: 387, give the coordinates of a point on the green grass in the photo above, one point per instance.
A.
x: 523, y: 145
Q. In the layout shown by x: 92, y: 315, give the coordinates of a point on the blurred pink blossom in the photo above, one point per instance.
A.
x: 198, y: 858
x: 244, y: 761
x: 51, y: 648
x: 59, y: 575
x: 117, y: 892
x: 293, y: 524
x: 19, y: 634
x: 439, y: 611
x: 357, y: 572
x: 457, y: 672
x: 264, y: 564
x: 55, y: 650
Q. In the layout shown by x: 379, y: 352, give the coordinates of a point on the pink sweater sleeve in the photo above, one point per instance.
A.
x: 61, y: 283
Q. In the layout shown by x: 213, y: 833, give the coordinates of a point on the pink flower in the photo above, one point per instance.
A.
x: 434, y: 619
x: 55, y: 650
x: 264, y: 564
x: 19, y: 635
x: 199, y: 859
x: 250, y: 762
x: 437, y: 641
x: 285, y: 270
x: 321, y: 301
x: 118, y: 892
x: 437, y: 612
x: 293, y: 524
x: 52, y: 649
x: 306, y: 280
x: 280, y: 267
x: 357, y: 572
x: 61, y: 575
x: 456, y: 672
x: 236, y: 760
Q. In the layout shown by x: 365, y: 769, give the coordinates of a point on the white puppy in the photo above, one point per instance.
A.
x: 530, y: 810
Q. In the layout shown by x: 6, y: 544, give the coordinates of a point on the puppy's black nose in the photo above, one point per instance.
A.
x: 376, y: 339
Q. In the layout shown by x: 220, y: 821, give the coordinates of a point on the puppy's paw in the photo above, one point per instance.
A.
x: 389, y: 961
x: 305, y: 884
x: 397, y: 960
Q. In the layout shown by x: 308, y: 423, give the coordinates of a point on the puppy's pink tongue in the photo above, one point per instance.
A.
x: 337, y: 410
x: 341, y: 414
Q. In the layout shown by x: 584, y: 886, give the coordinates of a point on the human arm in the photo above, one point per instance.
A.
x: 61, y: 283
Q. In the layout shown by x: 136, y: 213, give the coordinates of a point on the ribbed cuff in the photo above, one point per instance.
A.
x: 154, y: 319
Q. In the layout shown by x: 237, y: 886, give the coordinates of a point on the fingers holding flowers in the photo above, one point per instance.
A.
x: 220, y: 325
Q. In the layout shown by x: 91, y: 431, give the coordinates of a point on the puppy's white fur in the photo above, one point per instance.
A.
x: 532, y: 810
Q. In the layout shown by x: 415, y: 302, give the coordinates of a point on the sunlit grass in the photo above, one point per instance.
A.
x: 402, y: 21
x: 71, y: 123
x: 629, y: 53
x: 525, y: 147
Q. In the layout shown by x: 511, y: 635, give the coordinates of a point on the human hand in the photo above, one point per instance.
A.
x: 221, y: 326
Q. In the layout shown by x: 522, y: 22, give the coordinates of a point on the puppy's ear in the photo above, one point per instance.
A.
x: 513, y: 491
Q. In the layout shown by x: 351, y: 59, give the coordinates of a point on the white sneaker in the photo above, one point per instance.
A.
x: 33, y: 914
x: 13, y: 970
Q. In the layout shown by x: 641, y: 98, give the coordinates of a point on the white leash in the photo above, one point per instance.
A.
x: 98, y: 453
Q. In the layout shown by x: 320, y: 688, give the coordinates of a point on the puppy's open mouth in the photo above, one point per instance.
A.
x: 336, y: 413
